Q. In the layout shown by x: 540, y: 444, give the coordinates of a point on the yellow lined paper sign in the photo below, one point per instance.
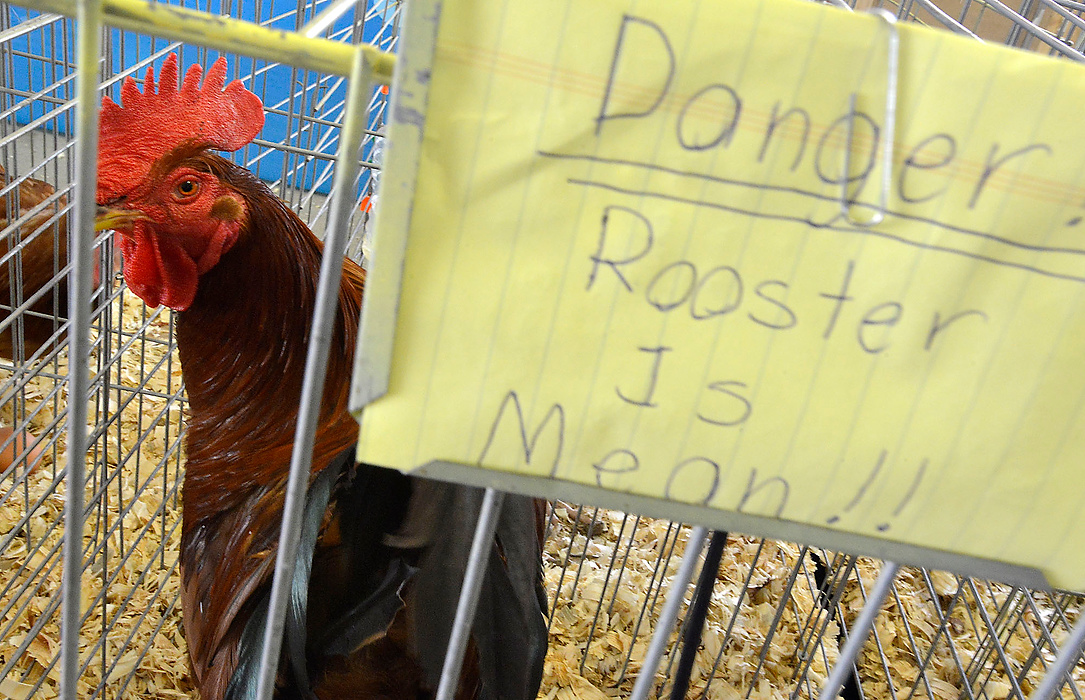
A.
x: 627, y: 266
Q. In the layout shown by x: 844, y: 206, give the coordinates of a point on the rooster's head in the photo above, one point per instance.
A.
x: 176, y: 217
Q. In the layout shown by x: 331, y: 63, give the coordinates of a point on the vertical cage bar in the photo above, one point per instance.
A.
x: 669, y: 614
x: 316, y: 365
x: 469, y: 592
x: 859, y: 631
x: 82, y: 238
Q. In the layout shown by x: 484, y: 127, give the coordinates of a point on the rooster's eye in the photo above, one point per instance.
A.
x: 187, y: 188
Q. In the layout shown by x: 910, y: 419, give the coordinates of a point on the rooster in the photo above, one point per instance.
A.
x: 382, y: 554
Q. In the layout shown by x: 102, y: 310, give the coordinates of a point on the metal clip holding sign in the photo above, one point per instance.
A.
x: 893, y: 68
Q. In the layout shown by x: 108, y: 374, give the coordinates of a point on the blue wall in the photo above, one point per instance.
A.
x: 48, y: 49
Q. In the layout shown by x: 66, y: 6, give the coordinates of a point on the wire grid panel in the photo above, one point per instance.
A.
x: 131, y: 643
x: 1053, y: 27
x: 779, y: 615
x: 780, y: 612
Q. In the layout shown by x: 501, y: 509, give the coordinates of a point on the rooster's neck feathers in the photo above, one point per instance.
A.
x: 244, y: 339
x: 242, y: 345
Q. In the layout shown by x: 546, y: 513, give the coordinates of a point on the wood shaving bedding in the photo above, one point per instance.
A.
x: 131, y: 533
x: 916, y: 616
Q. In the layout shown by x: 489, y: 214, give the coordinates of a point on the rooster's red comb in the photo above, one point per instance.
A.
x: 151, y: 124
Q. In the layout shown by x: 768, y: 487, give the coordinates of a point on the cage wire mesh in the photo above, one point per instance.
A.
x: 779, y: 613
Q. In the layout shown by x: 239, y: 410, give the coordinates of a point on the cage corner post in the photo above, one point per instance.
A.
x: 316, y: 365
x: 89, y: 17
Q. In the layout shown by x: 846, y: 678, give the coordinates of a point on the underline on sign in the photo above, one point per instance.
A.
x: 815, y: 196
x: 833, y: 226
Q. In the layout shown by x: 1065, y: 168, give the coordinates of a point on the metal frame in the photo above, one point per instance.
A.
x: 86, y: 159
x: 316, y: 366
x: 736, y: 522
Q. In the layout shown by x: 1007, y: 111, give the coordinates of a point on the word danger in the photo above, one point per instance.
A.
x: 924, y: 174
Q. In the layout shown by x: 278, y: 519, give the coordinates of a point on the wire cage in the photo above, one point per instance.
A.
x: 136, y: 402
x: 779, y: 613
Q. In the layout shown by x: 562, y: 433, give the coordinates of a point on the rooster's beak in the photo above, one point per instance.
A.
x: 117, y: 219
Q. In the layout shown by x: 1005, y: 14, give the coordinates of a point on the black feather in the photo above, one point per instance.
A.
x: 316, y: 504
x: 436, y: 589
x: 244, y: 681
x: 698, y: 612
x: 404, y: 536
x: 509, y: 628
x: 370, y: 618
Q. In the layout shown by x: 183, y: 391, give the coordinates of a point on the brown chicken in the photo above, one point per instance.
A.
x: 35, y: 270
x: 382, y: 556
x: 34, y: 250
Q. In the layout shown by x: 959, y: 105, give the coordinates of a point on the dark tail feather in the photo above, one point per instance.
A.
x: 370, y: 618
x: 250, y: 648
x: 441, y: 570
x: 828, y: 598
x: 316, y: 503
x: 509, y: 631
x: 510, y: 626
x: 243, y: 683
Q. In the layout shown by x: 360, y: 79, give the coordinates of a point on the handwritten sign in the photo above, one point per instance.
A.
x: 628, y: 267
